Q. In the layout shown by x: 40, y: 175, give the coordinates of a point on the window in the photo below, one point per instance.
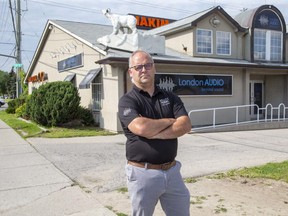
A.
x: 90, y: 76
x: 97, y: 93
x: 268, y: 45
x: 276, y: 46
x: 204, y: 41
x: 93, y: 79
x: 223, y: 43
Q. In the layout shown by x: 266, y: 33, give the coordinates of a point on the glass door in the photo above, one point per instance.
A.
x: 256, y: 89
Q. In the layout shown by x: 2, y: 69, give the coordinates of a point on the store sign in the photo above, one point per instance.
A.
x: 190, y: 84
x: 72, y: 62
x: 146, y: 22
x: 40, y: 77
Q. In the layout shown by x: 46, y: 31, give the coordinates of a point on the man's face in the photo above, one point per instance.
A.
x: 142, y: 70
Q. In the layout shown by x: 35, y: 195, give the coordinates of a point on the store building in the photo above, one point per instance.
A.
x: 209, y: 59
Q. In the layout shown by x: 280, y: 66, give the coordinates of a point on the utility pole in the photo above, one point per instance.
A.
x: 18, y: 65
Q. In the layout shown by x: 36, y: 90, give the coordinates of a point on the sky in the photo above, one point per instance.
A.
x: 36, y: 13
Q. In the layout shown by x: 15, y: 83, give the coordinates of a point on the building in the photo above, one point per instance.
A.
x: 209, y: 59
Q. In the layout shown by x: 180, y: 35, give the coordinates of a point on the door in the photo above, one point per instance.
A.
x: 256, y: 89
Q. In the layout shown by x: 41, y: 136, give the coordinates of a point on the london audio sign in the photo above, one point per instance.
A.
x: 191, y: 84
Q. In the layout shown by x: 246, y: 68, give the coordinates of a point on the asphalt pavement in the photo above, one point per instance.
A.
x: 47, y: 177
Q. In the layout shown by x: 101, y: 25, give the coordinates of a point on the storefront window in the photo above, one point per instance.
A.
x: 267, y: 45
x: 223, y: 43
x: 204, y: 41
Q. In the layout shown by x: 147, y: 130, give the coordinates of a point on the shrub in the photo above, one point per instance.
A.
x: 14, y: 104
x: 21, y: 111
x: 11, y: 107
x: 53, y: 104
x: 86, y: 116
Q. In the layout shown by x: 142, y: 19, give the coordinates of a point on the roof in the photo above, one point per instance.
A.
x: 192, y: 20
x: 88, y: 32
x: 246, y: 18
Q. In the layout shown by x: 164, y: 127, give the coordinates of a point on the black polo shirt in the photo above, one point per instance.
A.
x: 162, y: 104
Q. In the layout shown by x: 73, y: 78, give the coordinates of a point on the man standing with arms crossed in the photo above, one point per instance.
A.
x: 152, y: 120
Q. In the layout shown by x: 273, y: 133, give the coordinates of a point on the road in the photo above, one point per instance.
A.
x: 98, y: 162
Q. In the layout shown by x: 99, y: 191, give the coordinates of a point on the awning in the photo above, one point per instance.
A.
x: 70, y: 77
x: 85, y: 83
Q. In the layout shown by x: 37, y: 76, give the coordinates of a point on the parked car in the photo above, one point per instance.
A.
x: 2, y: 102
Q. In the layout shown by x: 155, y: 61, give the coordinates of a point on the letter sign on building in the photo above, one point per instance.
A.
x: 145, y: 22
x: 190, y: 84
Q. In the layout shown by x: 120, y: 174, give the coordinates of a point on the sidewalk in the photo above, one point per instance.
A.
x: 31, y: 185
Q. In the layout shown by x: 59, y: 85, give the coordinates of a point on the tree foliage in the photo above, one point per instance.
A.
x: 4, y: 77
x: 53, y: 104
x: 11, y: 84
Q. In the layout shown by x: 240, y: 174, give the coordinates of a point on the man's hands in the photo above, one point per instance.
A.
x: 148, y: 128
x: 166, y: 128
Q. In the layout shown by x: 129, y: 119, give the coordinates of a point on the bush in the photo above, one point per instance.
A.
x: 11, y: 107
x: 86, y: 116
x: 53, y: 104
x: 14, y: 104
x: 21, y: 111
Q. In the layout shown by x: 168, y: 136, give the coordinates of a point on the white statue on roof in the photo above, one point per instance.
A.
x: 120, y: 22
x: 131, y: 40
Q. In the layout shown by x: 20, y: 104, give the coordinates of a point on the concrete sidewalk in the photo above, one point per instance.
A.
x: 31, y: 185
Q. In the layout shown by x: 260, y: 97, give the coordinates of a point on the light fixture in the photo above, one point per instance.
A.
x: 214, y: 21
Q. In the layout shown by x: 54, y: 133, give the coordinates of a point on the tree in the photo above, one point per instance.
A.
x: 11, y: 84
x: 4, y: 76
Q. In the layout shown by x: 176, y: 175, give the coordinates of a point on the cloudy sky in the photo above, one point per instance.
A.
x: 35, y: 14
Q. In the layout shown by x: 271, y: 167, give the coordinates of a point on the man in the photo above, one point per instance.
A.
x: 152, y: 119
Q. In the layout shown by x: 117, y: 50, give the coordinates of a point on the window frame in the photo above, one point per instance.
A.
x: 202, y: 41
x: 217, y: 42
x: 96, y: 88
x: 266, y: 53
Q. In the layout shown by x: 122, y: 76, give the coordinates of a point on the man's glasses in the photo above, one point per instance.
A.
x: 139, y: 68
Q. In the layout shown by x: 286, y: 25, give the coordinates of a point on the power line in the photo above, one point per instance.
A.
x: 67, y: 6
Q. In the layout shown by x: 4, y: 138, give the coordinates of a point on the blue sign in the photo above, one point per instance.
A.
x: 189, y: 84
x: 72, y: 62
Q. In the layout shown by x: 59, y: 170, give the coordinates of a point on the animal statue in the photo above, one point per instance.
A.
x: 120, y: 22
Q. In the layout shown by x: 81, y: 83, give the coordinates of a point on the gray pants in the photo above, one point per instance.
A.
x: 147, y: 186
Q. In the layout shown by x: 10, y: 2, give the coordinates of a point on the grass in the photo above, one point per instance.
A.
x: 30, y: 129
x: 122, y: 190
x: 274, y: 171
x: 116, y: 212
x: 25, y: 129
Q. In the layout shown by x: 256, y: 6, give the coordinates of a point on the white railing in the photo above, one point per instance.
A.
x: 265, y: 114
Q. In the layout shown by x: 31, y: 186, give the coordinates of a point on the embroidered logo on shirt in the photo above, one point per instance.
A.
x: 164, y: 102
x: 126, y: 111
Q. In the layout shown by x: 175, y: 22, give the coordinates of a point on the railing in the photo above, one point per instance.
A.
x: 262, y: 115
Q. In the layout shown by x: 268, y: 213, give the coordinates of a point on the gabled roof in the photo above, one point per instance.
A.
x: 191, y: 21
x: 87, y: 33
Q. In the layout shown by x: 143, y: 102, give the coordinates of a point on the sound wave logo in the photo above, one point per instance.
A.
x: 166, y: 84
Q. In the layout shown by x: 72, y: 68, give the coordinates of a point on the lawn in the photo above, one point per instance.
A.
x: 30, y: 129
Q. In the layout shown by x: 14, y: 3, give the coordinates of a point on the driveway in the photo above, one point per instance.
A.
x: 98, y: 162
